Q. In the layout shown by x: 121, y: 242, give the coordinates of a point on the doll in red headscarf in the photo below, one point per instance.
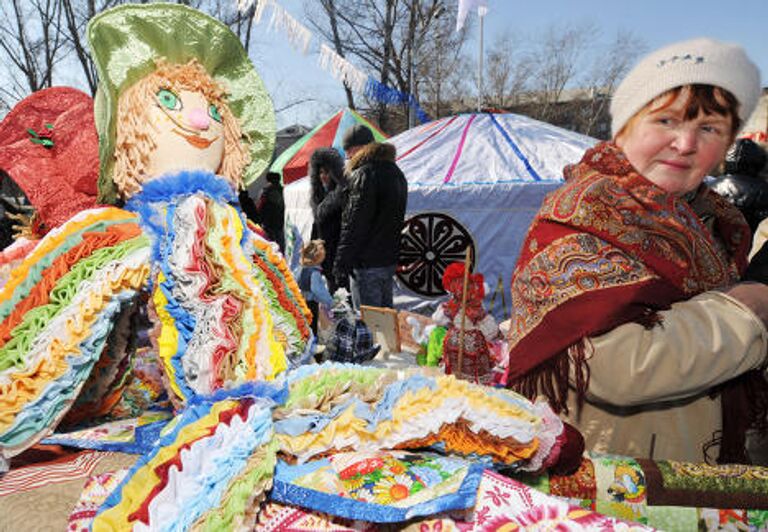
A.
x: 479, y: 327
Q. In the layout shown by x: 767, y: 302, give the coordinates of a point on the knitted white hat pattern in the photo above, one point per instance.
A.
x: 697, y: 61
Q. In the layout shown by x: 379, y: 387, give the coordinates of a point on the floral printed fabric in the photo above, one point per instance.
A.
x: 95, y: 492
x: 511, y: 505
x: 379, y: 486
x: 276, y: 517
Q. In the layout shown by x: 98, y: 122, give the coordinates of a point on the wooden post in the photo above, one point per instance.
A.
x: 463, y: 312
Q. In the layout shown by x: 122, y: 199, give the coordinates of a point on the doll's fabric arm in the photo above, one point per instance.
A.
x: 488, y: 327
x: 440, y: 318
x: 57, y: 312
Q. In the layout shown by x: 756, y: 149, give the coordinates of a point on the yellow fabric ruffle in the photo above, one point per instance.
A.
x: 144, y: 480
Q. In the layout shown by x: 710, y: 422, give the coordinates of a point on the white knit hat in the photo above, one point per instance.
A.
x: 698, y: 61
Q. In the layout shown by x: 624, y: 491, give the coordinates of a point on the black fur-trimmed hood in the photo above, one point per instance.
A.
x: 375, y: 151
x: 329, y: 158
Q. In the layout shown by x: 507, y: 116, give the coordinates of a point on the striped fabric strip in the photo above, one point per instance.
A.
x: 32, y: 477
x: 457, y: 155
x: 516, y: 149
x: 430, y: 137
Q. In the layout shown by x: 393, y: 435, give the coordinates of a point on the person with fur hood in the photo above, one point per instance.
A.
x: 329, y: 188
x: 372, y: 220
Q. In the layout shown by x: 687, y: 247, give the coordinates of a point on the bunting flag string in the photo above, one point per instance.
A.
x: 342, y: 69
x: 299, y: 37
x: 376, y: 90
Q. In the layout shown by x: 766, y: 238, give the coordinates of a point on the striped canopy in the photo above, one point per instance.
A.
x: 293, y: 162
x: 486, y: 149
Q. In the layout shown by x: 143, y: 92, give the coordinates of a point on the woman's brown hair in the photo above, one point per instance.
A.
x: 708, y: 99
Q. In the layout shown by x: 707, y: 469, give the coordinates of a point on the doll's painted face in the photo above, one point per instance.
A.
x: 189, y: 133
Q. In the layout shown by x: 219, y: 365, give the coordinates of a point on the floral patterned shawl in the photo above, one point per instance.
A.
x: 608, y: 248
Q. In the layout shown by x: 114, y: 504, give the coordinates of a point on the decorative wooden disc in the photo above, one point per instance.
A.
x: 431, y: 241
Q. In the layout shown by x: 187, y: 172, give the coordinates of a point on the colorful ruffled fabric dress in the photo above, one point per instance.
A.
x: 338, y: 438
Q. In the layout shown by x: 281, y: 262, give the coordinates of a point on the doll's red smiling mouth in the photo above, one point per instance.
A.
x: 196, y: 140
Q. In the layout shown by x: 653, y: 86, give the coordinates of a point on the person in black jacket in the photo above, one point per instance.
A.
x: 326, y: 174
x: 742, y: 185
x: 372, y: 220
x: 271, y: 209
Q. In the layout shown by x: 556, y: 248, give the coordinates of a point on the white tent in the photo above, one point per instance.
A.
x: 756, y: 127
x: 474, y: 178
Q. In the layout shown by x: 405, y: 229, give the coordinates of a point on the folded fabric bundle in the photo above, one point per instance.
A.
x: 383, y: 486
x: 208, y: 472
x: 58, y: 309
x: 337, y: 407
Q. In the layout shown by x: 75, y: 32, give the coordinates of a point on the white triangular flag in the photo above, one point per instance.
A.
x: 465, y: 6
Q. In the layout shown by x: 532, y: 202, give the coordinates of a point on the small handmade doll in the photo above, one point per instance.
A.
x: 479, y: 327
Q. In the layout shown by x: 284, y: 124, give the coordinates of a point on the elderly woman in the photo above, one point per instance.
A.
x: 628, y: 311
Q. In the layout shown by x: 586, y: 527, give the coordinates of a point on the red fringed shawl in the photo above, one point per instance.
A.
x: 608, y: 248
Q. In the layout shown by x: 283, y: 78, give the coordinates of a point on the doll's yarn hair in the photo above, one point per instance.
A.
x: 135, y: 142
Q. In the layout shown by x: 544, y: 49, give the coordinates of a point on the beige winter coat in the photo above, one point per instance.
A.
x: 648, y: 392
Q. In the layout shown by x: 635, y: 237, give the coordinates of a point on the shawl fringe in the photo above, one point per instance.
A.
x: 551, y: 378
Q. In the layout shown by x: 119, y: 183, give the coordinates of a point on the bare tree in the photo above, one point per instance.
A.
x: 333, y: 35
x: 393, y: 40
x: 76, y: 14
x: 558, y: 58
x: 609, y: 66
x: 439, y: 57
x: 30, y: 43
x: 509, y: 69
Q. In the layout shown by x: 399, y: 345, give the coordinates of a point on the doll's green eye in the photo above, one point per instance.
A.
x: 214, y: 112
x: 168, y: 99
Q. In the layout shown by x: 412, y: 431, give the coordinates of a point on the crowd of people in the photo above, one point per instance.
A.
x: 634, y: 311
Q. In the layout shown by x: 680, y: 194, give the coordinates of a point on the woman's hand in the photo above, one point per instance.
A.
x: 754, y: 295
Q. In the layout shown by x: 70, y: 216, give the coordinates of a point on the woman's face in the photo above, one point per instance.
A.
x: 672, y: 152
x: 188, y: 131
x: 325, y: 176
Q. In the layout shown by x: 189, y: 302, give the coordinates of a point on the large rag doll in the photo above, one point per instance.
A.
x: 183, y: 121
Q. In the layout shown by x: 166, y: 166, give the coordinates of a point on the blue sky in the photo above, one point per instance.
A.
x: 290, y: 76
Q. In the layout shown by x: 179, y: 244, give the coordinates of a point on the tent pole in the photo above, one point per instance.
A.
x: 481, y: 12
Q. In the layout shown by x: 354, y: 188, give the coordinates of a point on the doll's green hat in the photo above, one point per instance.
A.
x: 126, y: 41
